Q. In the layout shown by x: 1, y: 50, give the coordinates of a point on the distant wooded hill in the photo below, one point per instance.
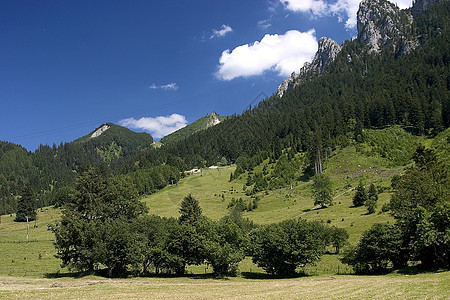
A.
x: 199, y: 125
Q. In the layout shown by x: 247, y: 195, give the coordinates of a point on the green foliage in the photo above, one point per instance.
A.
x: 420, y: 205
x: 322, y: 190
x: 360, y: 196
x: 392, y: 143
x: 378, y: 250
x: 190, y: 211
x: 338, y: 238
x: 223, y: 246
x: 26, y: 205
x: 283, y: 247
x: 94, y: 227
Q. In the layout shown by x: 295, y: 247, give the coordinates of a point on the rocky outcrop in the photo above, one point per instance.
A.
x: 100, y: 130
x: 213, y: 120
x: 326, y: 53
x: 382, y: 24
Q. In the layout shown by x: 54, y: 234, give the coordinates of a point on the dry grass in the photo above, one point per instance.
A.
x: 421, y: 286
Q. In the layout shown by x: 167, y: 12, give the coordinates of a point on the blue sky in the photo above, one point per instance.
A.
x: 68, y: 66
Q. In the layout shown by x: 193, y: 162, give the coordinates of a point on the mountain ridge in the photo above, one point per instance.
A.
x: 380, y: 24
x: 201, y: 124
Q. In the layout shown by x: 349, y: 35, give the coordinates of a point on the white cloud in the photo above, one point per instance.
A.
x: 168, y: 87
x: 264, y: 24
x: 282, y: 53
x: 317, y: 7
x: 221, y: 32
x: 158, y: 127
x: 343, y: 9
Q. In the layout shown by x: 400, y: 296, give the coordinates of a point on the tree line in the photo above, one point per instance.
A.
x: 105, y: 225
x: 421, y: 208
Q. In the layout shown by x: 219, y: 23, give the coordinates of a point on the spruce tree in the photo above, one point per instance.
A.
x: 190, y: 211
x: 26, y: 205
x: 360, y: 196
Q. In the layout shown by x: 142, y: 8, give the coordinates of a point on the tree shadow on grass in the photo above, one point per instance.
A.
x: 264, y: 276
x: 416, y: 270
x: 64, y: 275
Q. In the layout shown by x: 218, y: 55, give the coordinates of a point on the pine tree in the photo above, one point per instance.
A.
x: 372, y: 193
x: 360, y: 196
x: 26, y: 205
x: 190, y: 211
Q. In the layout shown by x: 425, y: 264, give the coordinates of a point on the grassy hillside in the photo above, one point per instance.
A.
x: 24, y: 263
x: 346, y: 166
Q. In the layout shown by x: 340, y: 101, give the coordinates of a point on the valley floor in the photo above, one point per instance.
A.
x: 421, y: 286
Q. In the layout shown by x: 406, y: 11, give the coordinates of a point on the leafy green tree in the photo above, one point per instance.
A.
x: 117, y: 246
x: 420, y: 206
x: 372, y: 198
x: 26, y: 205
x: 322, y: 190
x: 378, y: 249
x: 190, y: 210
x: 185, y: 245
x: 283, y: 247
x: 98, y: 215
x: 223, y: 246
x: 338, y: 238
x: 360, y: 196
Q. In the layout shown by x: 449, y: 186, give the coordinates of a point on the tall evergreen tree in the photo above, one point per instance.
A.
x: 26, y: 205
x: 190, y: 211
x: 360, y: 196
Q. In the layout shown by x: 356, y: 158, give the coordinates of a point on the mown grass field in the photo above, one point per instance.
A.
x: 422, y: 286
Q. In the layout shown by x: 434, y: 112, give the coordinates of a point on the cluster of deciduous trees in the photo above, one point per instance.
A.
x: 105, y: 225
x: 421, y: 207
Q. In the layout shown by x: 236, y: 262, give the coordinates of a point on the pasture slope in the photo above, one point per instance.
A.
x: 28, y: 268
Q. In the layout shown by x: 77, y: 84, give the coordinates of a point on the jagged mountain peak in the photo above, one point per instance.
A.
x: 381, y: 23
x: 327, y: 51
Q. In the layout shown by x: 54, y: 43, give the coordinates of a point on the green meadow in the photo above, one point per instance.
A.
x: 28, y: 268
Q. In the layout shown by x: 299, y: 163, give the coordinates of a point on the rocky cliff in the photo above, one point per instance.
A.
x: 326, y: 53
x: 380, y: 24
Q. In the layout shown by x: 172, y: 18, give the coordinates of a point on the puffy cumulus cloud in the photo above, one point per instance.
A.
x: 168, y: 87
x: 158, y: 127
x: 221, y: 32
x: 282, y: 53
x: 343, y: 9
